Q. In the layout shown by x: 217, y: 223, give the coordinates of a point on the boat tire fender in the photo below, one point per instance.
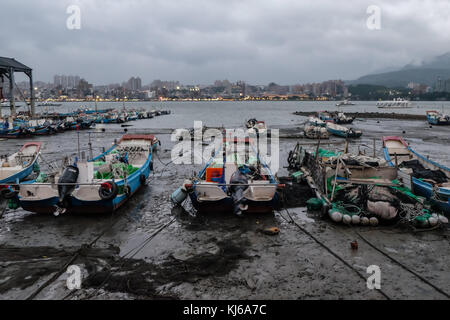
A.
x: 127, y: 191
x: 151, y: 165
x: 108, y: 190
x: 143, y: 180
x: 7, y: 193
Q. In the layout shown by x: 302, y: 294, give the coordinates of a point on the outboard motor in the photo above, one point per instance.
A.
x: 237, y: 191
x: 70, y: 175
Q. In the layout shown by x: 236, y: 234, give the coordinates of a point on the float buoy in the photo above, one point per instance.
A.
x: 373, y: 221
x: 346, y: 219
x: 356, y: 220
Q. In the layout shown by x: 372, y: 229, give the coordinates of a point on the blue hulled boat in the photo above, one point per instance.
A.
x: 434, y: 117
x: 429, y: 179
x: 341, y: 131
x: 100, y: 185
x: 20, y: 165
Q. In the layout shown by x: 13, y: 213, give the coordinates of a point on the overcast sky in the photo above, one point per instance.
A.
x: 199, y: 41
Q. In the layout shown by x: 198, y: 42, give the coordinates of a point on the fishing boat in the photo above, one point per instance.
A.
x: 234, y: 180
x: 341, y: 131
x: 315, y: 121
x: 20, y: 165
x: 429, y: 179
x: 11, y: 130
x: 341, y: 118
x: 100, y: 185
x: 325, y: 116
x: 437, y: 118
x: 315, y: 132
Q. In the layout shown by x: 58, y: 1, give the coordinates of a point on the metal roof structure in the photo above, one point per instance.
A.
x: 8, y: 66
x: 8, y: 63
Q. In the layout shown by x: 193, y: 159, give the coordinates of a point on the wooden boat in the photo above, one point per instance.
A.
x: 21, y: 164
x: 437, y: 118
x: 398, y: 153
x: 341, y: 131
x: 100, y: 185
x: 234, y: 181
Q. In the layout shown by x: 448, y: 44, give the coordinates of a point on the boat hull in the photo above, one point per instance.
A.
x: 76, y: 205
x: 226, y: 205
x: 344, y: 134
x: 422, y: 188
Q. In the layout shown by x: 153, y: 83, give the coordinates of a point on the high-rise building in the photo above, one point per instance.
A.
x: 66, y: 81
x: 134, y: 83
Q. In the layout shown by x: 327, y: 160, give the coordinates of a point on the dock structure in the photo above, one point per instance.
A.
x: 8, y: 66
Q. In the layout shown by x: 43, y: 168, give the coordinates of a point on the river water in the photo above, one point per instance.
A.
x: 234, y: 113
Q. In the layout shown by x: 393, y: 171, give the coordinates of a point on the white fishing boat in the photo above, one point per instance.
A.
x: 19, y: 165
x: 344, y: 103
x: 232, y: 181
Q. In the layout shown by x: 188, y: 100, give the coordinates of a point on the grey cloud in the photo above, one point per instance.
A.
x: 198, y: 41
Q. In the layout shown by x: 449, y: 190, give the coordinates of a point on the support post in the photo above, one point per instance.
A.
x: 374, y: 148
x: 32, y: 108
x: 12, y: 105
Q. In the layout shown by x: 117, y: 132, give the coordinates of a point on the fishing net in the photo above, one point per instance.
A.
x: 420, y: 172
x: 128, y: 169
x: 323, y: 153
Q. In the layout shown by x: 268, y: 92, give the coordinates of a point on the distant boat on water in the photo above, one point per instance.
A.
x: 49, y: 104
x: 344, y: 103
x: 395, y: 104
x: 437, y: 118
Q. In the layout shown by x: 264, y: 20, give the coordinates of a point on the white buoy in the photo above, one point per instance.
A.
x: 443, y: 219
x: 356, y: 219
x: 335, y: 215
x: 373, y: 221
x: 433, y: 221
x: 346, y: 219
x: 365, y: 221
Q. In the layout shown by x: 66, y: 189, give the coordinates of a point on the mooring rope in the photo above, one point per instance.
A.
x: 403, y: 266
x: 330, y: 251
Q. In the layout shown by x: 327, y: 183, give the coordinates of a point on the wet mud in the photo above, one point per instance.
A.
x: 150, y: 250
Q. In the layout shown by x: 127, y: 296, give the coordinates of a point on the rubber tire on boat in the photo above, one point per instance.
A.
x: 151, y: 165
x: 108, y: 194
x: 127, y: 190
x: 8, y: 193
x: 143, y: 180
